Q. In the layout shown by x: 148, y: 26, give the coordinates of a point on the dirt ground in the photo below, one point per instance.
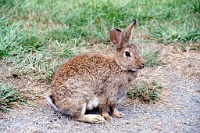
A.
x: 177, y: 111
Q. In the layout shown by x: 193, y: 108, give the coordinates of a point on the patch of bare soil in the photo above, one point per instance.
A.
x: 177, y: 111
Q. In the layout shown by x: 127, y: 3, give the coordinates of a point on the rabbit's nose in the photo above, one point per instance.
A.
x: 142, y: 66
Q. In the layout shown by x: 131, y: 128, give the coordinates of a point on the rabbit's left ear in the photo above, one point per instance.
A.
x: 127, y: 32
x: 116, y: 37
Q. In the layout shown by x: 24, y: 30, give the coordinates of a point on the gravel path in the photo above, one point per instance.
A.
x: 178, y: 111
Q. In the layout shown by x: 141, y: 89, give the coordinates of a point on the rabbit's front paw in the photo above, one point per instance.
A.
x: 106, y: 116
x: 117, y: 114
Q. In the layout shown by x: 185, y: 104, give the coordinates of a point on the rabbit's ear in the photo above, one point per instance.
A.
x: 127, y: 32
x: 116, y: 37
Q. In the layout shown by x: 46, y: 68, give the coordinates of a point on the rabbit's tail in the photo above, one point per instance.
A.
x: 51, y: 102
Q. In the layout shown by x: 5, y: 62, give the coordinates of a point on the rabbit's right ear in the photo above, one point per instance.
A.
x: 116, y: 37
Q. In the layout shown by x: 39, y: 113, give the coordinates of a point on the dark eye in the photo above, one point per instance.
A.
x: 127, y: 54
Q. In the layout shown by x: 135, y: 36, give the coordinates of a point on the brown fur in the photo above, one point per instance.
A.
x: 94, y: 80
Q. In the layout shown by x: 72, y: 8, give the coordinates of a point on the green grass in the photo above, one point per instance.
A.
x: 36, y: 36
x: 180, y: 23
x: 145, y: 92
x: 152, y: 58
x: 9, y: 97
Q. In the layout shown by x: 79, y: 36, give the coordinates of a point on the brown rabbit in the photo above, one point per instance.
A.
x: 90, y: 80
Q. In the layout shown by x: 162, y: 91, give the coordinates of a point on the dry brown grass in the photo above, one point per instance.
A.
x: 187, y: 63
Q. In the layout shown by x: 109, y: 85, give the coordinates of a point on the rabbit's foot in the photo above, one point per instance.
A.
x: 106, y: 116
x: 117, y: 114
x: 91, y: 118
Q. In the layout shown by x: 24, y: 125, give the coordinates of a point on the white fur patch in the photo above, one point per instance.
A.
x: 93, y: 103
x: 50, y: 100
x: 83, y: 109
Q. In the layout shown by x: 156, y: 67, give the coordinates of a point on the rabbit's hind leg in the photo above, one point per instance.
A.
x: 91, y: 118
x: 88, y: 118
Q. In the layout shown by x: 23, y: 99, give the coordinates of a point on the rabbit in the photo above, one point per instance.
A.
x: 91, y: 80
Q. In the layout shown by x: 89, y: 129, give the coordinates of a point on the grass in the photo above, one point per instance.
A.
x: 180, y: 22
x: 145, y: 91
x: 9, y: 97
x: 152, y: 58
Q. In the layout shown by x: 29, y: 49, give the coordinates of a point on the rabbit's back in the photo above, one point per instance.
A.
x: 84, y: 66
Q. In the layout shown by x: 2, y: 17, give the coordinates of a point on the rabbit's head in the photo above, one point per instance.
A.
x: 127, y: 56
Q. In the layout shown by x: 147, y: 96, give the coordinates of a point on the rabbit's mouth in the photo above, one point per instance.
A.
x: 135, y: 70
x: 132, y: 71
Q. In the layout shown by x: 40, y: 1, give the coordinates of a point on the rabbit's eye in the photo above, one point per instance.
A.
x: 127, y: 54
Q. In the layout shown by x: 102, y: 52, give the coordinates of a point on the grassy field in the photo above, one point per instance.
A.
x: 37, y: 35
